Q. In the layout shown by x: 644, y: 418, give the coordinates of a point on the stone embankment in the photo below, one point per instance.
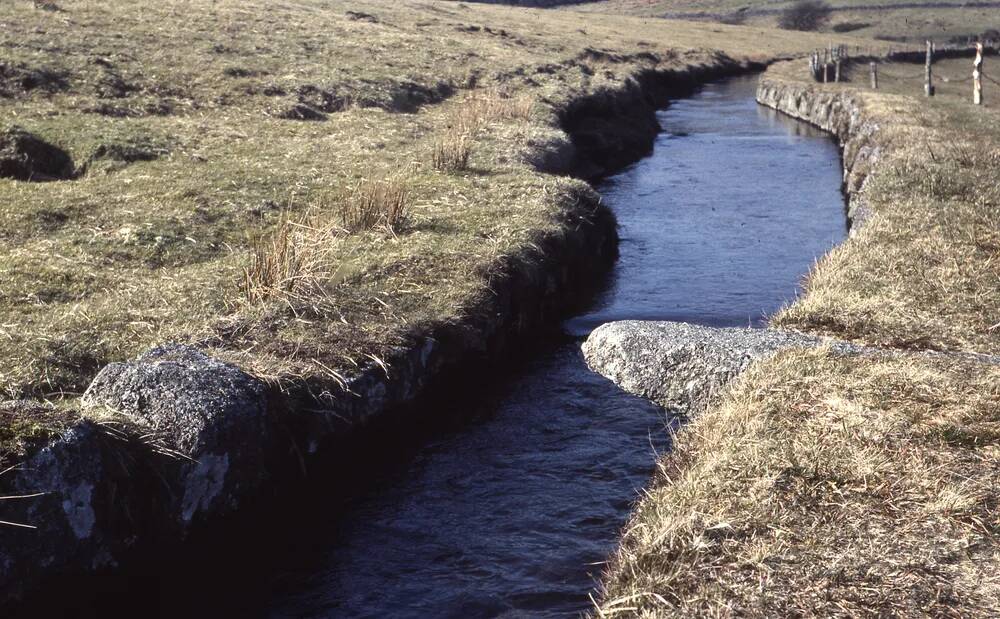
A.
x: 840, y: 114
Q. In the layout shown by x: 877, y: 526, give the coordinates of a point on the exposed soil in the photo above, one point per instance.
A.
x: 19, y: 80
x: 26, y: 157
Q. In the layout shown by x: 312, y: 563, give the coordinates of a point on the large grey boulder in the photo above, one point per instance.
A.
x: 680, y: 366
x: 211, y: 416
x: 184, y: 437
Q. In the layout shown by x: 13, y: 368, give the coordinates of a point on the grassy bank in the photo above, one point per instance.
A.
x: 825, y: 486
x: 853, y: 486
x: 300, y: 189
x: 922, y: 272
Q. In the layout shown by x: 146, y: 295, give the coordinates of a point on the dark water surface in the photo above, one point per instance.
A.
x: 512, y: 513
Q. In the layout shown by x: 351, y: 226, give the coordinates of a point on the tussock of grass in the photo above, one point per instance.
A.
x: 376, y: 204
x: 825, y: 485
x: 477, y: 111
x: 451, y: 153
x: 490, y: 105
x: 288, y: 263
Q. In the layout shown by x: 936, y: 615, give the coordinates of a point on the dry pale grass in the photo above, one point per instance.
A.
x: 889, y: 19
x: 924, y: 271
x: 476, y: 112
x: 488, y: 106
x: 294, y: 262
x: 824, y: 485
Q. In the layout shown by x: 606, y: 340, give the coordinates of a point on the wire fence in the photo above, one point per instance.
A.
x: 835, y: 64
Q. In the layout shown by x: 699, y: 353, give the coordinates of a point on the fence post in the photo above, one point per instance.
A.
x: 977, y: 76
x: 836, y: 71
x: 928, y: 84
x: 874, y: 68
x: 826, y: 72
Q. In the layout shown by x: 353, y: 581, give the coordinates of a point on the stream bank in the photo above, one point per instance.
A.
x: 113, y: 495
x: 844, y: 439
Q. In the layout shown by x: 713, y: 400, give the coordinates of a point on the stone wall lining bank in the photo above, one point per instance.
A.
x: 840, y: 114
x: 171, y: 460
x: 683, y: 367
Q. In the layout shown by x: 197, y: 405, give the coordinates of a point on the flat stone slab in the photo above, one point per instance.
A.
x: 680, y: 366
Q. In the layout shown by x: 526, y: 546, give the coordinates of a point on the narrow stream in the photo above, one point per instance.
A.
x: 511, y: 514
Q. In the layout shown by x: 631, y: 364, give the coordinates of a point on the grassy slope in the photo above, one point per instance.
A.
x: 823, y: 485
x: 923, y: 273
x: 904, y: 22
x: 99, y: 268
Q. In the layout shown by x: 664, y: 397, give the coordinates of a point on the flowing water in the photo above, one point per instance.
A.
x: 511, y: 513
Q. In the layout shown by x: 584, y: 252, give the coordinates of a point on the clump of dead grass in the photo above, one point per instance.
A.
x: 297, y: 260
x: 376, y: 204
x: 452, y: 152
x: 293, y: 263
x: 275, y: 266
x: 491, y: 105
x: 825, y: 485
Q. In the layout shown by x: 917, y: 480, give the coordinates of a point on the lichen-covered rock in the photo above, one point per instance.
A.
x: 211, y: 414
x: 60, y: 520
x: 680, y: 366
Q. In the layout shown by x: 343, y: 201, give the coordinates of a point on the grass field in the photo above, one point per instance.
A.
x: 923, y: 273
x: 300, y: 187
x: 221, y: 152
x: 825, y: 486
